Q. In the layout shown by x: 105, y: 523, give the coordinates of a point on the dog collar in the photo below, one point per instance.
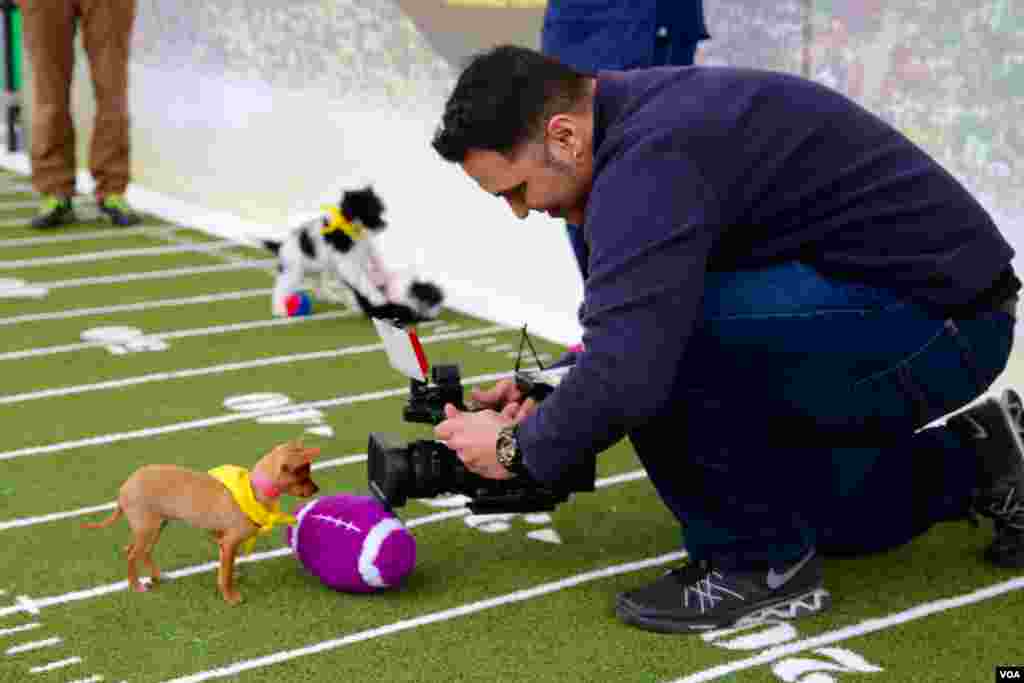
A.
x: 337, y: 221
x: 264, y: 486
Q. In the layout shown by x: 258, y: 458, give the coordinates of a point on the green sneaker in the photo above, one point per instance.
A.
x: 53, y: 211
x: 118, y: 211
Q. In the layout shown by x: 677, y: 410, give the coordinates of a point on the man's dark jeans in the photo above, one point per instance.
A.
x: 798, y: 418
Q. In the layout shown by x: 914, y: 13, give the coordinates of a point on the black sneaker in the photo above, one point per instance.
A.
x: 698, y: 597
x: 993, y: 427
x: 118, y: 211
x: 54, y: 211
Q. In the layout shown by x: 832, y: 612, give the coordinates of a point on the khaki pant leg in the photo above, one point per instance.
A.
x: 49, y: 33
x: 106, y: 35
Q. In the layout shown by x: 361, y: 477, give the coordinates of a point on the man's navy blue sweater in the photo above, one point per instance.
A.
x: 702, y: 169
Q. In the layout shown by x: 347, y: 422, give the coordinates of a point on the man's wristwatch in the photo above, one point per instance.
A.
x: 509, y: 455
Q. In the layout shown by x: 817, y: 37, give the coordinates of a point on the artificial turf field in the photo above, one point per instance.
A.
x: 206, y: 377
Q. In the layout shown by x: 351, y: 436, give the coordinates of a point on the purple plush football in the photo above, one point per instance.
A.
x: 352, y: 543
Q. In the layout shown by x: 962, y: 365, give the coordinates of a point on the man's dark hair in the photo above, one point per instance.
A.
x: 503, y: 97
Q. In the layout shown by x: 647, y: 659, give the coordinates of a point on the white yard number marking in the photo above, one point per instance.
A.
x: 122, y: 340
x: 12, y: 288
x: 769, y: 633
x: 499, y: 523
x: 311, y: 417
x: 791, y: 670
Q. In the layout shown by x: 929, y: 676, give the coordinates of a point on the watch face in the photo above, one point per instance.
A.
x: 506, y: 448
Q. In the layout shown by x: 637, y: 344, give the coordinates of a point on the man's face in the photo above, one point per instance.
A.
x: 551, y: 176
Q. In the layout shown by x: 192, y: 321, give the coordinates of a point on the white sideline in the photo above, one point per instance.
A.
x: 81, y: 512
x: 75, y: 596
x: 227, y: 367
x: 223, y: 419
x: 181, y: 334
x: 141, y: 306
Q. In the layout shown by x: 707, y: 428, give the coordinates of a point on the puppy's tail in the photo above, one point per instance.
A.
x: 114, y: 516
x: 272, y: 245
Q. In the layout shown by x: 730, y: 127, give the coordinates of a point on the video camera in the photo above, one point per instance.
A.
x: 398, y: 470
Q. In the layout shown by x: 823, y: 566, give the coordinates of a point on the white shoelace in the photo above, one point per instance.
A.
x: 704, y: 591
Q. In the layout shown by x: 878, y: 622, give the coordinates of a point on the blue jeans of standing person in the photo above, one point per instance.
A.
x: 798, y: 416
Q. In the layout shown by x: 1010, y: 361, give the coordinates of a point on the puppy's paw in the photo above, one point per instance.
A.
x: 233, y: 598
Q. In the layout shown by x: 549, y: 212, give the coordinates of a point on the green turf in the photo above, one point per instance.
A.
x: 184, y: 627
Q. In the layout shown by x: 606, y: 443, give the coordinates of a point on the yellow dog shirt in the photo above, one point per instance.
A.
x: 337, y: 221
x: 236, y: 479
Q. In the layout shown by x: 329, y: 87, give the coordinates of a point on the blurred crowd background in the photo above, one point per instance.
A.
x: 948, y: 73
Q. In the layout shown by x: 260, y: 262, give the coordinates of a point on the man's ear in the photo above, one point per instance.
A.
x: 563, y: 138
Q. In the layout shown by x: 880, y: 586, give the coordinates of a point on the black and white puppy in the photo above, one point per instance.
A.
x: 340, y: 244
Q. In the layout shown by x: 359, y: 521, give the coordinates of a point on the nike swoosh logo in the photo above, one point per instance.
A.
x: 979, y: 430
x: 775, y: 580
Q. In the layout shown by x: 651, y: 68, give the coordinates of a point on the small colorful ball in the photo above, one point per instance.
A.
x: 352, y: 543
x: 299, y: 303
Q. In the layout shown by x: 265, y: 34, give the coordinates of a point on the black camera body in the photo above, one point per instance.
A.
x: 426, y: 399
x: 400, y: 470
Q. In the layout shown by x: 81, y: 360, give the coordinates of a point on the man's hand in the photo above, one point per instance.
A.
x: 473, y: 436
x: 498, y: 396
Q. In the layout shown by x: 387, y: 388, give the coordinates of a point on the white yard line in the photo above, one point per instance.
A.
x: 863, y: 628
x: 182, y: 334
x: 169, y: 273
x: 54, y: 517
x: 432, y: 618
x: 109, y: 233
x: 19, y: 204
x: 223, y: 419
x: 19, y: 629
x: 141, y: 306
x: 109, y: 254
x: 225, y: 368
x: 34, y: 645
x: 36, y: 604
x: 22, y: 522
x: 55, y: 665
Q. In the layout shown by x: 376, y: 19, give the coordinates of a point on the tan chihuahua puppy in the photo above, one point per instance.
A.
x: 229, y: 501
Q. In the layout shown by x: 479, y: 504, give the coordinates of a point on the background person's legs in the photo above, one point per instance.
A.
x: 106, y: 35
x: 49, y: 27
x: 797, y: 427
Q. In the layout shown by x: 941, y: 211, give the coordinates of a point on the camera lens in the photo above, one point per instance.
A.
x: 388, y: 469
